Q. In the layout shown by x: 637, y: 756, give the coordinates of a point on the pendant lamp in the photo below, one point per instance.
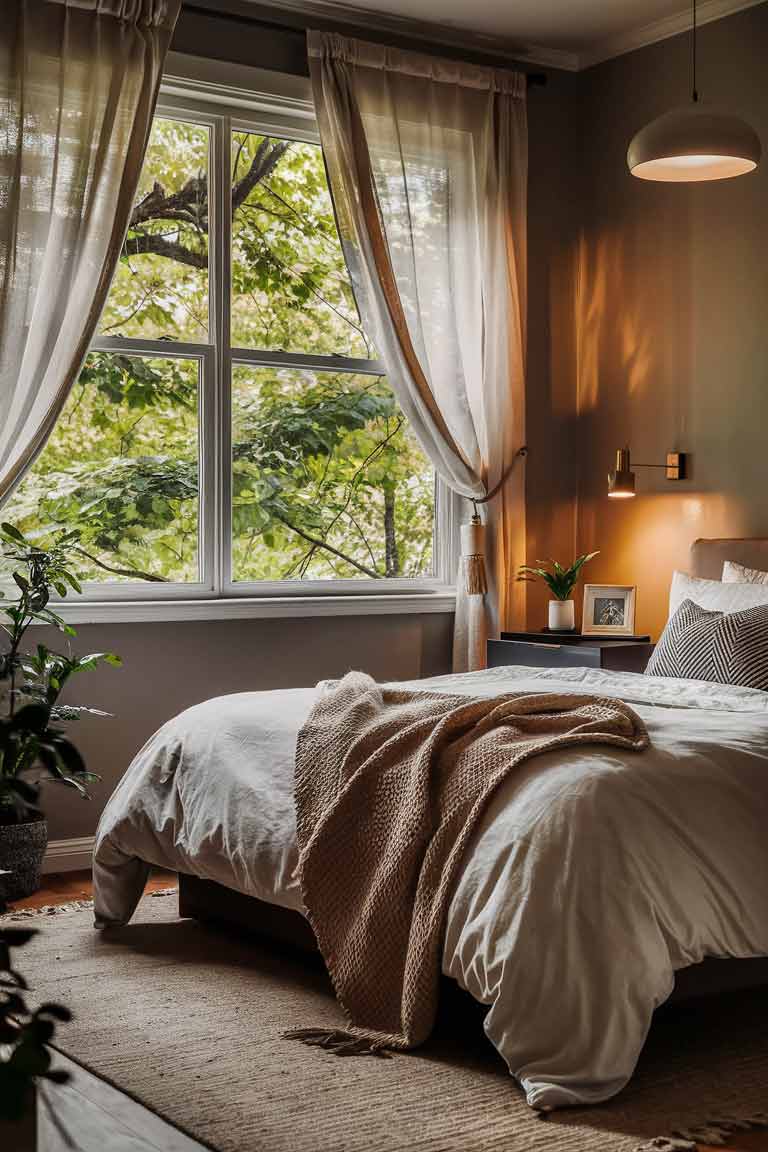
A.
x: 694, y: 142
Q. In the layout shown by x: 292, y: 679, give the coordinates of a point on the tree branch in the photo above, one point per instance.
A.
x: 133, y: 573
x: 142, y: 243
x: 189, y: 205
x: 263, y: 165
x: 308, y: 283
x: 320, y: 543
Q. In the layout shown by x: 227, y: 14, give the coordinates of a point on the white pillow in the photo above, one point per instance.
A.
x: 734, y: 573
x: 714, y: 594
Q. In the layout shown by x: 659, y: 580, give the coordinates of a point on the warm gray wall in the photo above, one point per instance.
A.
x: 168, y: 667
x: 553, y: 215
x: 671, y: 333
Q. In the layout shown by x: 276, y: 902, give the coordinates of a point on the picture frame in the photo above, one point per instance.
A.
x: 609, y: 610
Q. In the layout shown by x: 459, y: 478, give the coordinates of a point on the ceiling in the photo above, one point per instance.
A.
x: 571, y: 33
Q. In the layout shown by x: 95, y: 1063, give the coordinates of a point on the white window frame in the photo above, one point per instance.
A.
x: 227, y: 99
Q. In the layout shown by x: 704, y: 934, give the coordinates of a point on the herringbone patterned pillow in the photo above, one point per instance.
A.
x: 729, y: 648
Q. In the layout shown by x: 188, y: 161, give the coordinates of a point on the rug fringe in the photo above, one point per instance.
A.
x: 338, y: 1041
x: 716, y: 1133
x: 70, y: 906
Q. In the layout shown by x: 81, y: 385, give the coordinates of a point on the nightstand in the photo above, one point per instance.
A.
x: 570, y: 650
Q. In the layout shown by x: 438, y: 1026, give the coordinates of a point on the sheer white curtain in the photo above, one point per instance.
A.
x: 78, y: 83
x: 427, y: 162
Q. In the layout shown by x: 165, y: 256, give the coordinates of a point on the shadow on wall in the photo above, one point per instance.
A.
x: 552, y: 475
x: 616, y: 346
x: 645, y: 380
x: 634, y: 363
x: 634, y: 328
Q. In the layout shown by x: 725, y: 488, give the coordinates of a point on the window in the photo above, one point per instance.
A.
x: 231, y: 431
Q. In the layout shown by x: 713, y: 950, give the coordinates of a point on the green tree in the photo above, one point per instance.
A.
x: 327, y: 478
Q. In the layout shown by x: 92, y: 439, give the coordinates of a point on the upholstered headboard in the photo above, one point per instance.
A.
x: 708, y: 556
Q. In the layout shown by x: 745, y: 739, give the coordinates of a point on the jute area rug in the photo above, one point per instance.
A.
x: 189, y: 1020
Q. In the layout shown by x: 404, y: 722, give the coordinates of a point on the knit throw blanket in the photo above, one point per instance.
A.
x: 390, y: 785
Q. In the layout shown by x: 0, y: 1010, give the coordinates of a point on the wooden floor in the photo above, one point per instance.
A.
x: 98, y: 1117
x: 60, y: 889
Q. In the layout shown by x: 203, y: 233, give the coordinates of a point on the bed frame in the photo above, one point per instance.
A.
x: 208, y: 901
x: 213, y: 903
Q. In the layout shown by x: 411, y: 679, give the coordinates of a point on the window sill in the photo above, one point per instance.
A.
x: 254, y: 608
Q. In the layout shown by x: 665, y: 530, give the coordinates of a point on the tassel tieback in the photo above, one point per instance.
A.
x: 473, y: 557
x: 473, y: 538
x: 338, y: 1041
x: 475, y: 580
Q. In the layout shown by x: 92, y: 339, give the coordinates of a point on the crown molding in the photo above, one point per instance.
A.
x: 360, y: 20
x: 299, y: 14
x: 657, y: 30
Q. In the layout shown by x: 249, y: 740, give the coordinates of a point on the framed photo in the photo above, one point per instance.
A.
x: 609, y: 610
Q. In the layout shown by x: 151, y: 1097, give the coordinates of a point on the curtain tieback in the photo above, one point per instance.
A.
x: 473, y: 537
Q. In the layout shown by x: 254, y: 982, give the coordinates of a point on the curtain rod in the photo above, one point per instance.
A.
x: 533, y: 79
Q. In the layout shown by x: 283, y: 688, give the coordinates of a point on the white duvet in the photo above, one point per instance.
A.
x: 593, y: 876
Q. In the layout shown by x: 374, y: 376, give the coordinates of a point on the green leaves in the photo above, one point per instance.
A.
x: 560, y: 581
x: 314, y: 456
x: 327, y: 479
x: 138, y: 382
x: 291, y: 287
x: 25, y: 1035
x: 11, y: 533
x: 30, y: 734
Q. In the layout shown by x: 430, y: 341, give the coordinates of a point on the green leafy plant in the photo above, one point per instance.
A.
x: 25, y: 1059
x: 33, y: 742
x: 560, y: 581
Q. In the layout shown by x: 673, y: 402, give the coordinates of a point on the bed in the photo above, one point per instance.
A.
x: 598, y: 883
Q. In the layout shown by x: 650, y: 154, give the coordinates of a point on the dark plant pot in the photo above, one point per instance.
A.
x: 22, y: 847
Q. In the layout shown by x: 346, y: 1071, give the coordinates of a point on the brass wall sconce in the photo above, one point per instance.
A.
x: 621, y: 482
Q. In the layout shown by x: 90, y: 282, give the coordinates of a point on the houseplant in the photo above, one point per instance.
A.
x: 33, y: 745
x: 561, y: 583
x: 25, y: 1060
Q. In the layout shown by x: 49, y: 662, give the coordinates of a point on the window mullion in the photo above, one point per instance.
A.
x: 270, y: 358
x: 220, y: 232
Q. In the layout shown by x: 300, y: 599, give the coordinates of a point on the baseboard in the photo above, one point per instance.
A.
x: 68, y: 855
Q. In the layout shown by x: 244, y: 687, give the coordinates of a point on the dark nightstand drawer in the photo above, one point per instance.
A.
x: 575, y: 652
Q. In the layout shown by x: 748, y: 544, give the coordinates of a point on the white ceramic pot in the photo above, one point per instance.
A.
x: 561, y: 616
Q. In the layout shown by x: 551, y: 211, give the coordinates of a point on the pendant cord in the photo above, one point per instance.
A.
x: 693, y: 52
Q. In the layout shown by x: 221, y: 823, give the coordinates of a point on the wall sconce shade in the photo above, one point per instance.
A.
x: 621, y: 482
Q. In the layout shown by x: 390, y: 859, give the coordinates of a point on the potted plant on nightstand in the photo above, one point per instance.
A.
x: 33, y: 746
x: 561, y: 583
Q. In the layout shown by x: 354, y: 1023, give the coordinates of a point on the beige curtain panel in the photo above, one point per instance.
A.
x: 427, y: 161
x: 78, y: 84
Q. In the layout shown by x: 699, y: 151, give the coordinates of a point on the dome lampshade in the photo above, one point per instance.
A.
x: 693, y: 143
